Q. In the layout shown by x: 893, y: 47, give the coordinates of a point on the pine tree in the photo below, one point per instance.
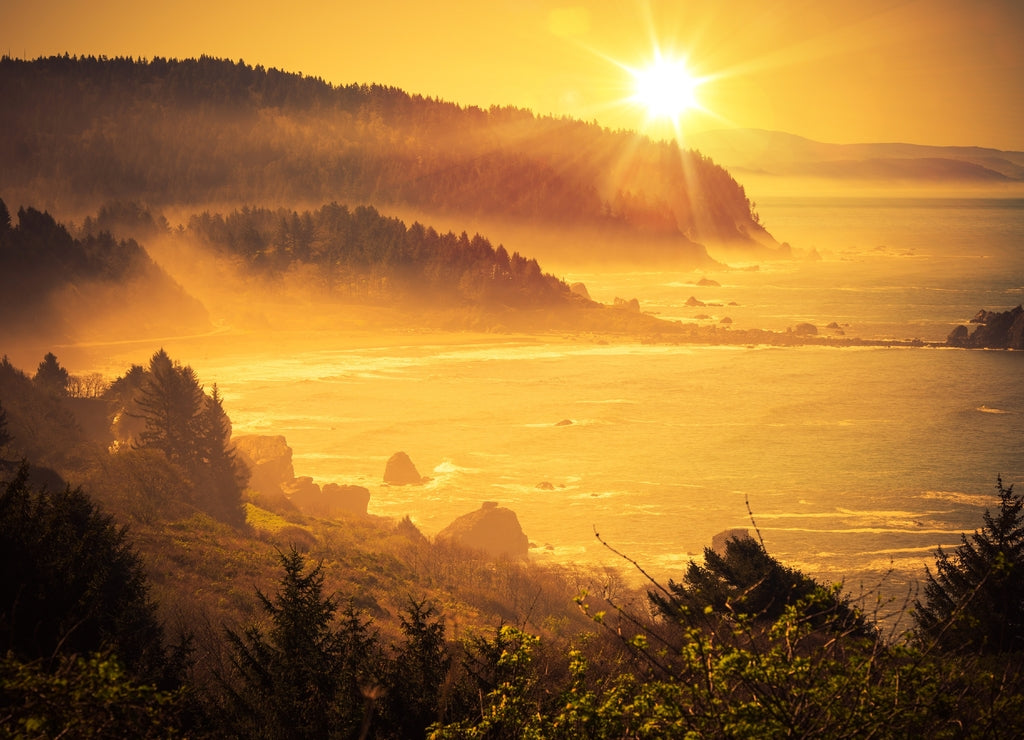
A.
x: 51, y: 376
x: 974, y: 600
x: 419, y: 674
x: 216, y: 468
x: 170, y: 402
x: 70, y: 582
x: 300, y: 678
x: 747, y: 581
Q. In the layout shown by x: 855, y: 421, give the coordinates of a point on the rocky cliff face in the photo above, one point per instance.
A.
x: 492, y: 529
x: 994, y: 330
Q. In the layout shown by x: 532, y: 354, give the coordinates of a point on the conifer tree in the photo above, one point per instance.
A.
x: 419, y: 674
x: 170, y: 401
x: 216, y: 467
x: 51, y: 376
x: 299, y: 677
x: 974, y: 600
x: 70, y: 582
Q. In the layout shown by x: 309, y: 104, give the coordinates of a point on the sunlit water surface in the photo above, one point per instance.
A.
x: 853, y: 461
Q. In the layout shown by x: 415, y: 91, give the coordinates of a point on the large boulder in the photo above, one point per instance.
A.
x: 492, y: 529
x: 400, y: 471
x: 994, y: 330
x: 720, y: 540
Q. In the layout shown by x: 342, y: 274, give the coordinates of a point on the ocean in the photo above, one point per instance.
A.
x: 852, y: 464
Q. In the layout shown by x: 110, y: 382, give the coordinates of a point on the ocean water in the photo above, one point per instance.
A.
x: 851, y: 463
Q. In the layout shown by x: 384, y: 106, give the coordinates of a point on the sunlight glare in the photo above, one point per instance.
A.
x: 666, y: 88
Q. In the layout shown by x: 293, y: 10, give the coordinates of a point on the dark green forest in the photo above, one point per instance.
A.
x: 144, y: 594
x: 81, y: 131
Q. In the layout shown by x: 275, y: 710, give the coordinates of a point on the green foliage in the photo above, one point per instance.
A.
x: 974, y: 600
x: 70, y: 582
x: 418, y: 675
x: 747, y: 583
x: 84, y: 696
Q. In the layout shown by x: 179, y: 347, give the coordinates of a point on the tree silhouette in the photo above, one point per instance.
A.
x: 70, y: 582
x: 419, y: 674
x: 50, y: 376
x: 170, y: 401
x: 974, y: 599
x: 297, y: 679
x: 747, y: 581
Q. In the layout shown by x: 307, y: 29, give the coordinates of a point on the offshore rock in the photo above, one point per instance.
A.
x: 492, y: 529
x: 581, y: 290
x: 719, y: 541
x: 994, y: 330
x: 632, y: 304
x: 400, y: 471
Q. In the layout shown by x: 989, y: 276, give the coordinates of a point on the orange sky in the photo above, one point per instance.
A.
x: 929, y: 71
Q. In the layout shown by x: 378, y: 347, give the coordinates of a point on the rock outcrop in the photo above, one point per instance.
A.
x: 272, y: 479
x: 399, y: 471
x: 269, y: 459
x: 331, y: 501
x: 994, y: 330
x: 491, y: 529
x: 581, y: 290
x: 633, y: 304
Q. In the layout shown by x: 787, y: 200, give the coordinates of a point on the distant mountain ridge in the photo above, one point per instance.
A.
x: 80, y: 132
x: 777, y: 153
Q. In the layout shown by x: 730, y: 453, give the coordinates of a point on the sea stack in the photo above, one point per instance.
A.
x: 491, y: 529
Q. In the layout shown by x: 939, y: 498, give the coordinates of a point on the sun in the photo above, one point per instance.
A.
x: 666, y: 88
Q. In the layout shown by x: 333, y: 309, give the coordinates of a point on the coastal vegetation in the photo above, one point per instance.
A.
x: 136, y: 602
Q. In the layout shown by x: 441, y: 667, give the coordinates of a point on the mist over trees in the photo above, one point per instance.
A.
x: 362, y: 254
x: 51, y: 280
x: 194, y: 131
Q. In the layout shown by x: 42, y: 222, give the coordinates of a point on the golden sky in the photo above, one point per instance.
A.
x: 927, y: 71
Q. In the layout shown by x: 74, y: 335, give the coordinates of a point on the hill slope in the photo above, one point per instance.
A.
x: 83, y: 131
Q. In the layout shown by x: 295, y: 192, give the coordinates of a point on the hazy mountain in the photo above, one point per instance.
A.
x: 79, y: 132
x: 755, y: 151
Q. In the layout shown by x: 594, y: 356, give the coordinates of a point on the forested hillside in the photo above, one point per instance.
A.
x: 83, y: 131
x: 63, y: 287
